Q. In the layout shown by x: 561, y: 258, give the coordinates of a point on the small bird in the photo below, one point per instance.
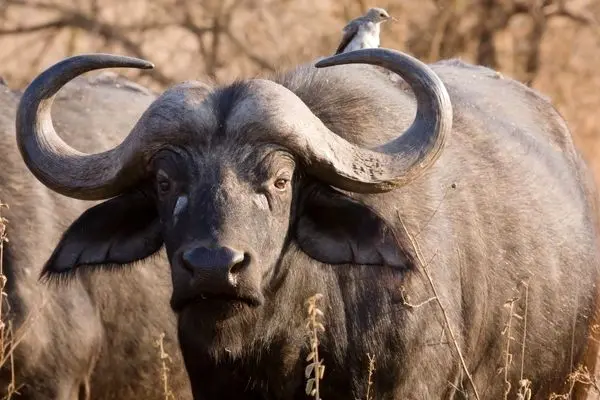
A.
x: 363, y: 32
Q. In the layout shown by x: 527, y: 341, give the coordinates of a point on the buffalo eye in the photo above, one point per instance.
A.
x: 280, y: 183
x: 163, y: 183
x: 164, y: 186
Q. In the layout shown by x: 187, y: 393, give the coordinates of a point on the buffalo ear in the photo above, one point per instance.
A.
x: 335, y: 229
x: 119, y: 231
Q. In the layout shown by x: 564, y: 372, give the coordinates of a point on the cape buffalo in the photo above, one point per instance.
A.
x: 95, y: 338
x: 328, y: 179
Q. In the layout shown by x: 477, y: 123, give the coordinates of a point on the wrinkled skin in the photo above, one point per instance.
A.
x: 94, y: 339
x: 251, y: 234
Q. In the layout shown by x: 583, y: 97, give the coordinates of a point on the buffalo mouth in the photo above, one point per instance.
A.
x: 216, y: 300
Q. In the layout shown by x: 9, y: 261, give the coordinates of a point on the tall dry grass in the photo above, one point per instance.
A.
x: 6, y: 333
x: 165, y: 361
x: 315, y: 370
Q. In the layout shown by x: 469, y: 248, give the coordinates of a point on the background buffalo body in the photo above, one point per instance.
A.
x: 95, y: 338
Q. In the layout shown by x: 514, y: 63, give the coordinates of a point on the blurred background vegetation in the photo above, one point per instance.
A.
x: 551, y: 45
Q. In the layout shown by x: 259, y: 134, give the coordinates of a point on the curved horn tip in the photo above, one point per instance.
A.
x: 133, y: 62
x: 115, y: 60
x: 357, y: 56
x: 147, y: 65
x: 143, y: 64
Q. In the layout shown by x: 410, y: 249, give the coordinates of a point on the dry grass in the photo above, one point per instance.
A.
x: 422, y: 264
x: 165, y: 359
x: 370, y: 376
x: 315, y: 369
x: 524, y: 384
x: 507, y: 354
x: 10, y: 338
x: 524, y: 388
x: 580, y: 375
x: 6, y: 342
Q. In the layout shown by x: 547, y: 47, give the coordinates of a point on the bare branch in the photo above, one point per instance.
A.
x: 560, y: 10
x: 248, y: 53
x: 39, y: 5
x: 110, y: 33
x: 67, y: 22
x: 59, y: 23
x: 35, y: 64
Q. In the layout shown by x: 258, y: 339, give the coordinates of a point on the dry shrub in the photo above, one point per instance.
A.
x: 580, y: 375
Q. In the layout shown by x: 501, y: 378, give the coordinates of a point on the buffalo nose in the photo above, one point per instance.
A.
x: 214, y: 264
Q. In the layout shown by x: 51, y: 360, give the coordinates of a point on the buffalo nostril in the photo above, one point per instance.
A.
x: 237, y: 259
x: 241, y: 263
